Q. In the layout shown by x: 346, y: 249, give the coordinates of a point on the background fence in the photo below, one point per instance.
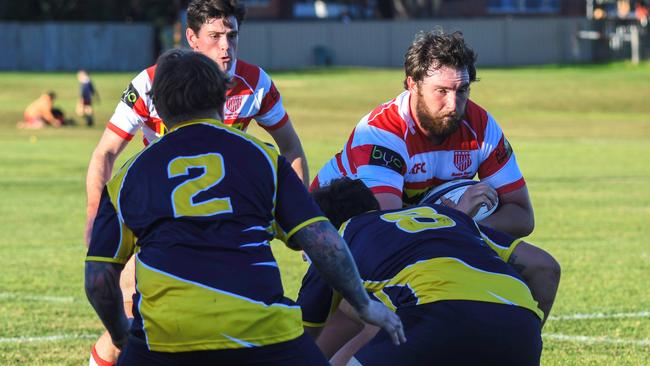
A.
x: 71, y: 46
x: 284, y: 45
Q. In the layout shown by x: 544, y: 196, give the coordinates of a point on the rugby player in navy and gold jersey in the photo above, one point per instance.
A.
x: 445, y: 276
x: 198, y: 209
x: 213, y: 28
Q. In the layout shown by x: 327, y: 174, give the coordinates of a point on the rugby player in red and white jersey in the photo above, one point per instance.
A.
x: 432, y: 133
x: 213, y: 29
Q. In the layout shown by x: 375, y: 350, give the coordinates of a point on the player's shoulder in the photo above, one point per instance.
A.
x: 237, y: 136
x: 386, y: 117
x: 145, y: 76
x: 253, y: 74
x: 476, y: 115
x: 140, y: 85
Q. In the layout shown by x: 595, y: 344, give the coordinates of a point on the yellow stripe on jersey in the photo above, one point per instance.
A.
x: 170, y: 307
x: 305, y: 223
x: 128, y: 239
x: 503, y: 252
x: 449, y: 278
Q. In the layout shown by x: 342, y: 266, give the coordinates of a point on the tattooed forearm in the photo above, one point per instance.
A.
x: 102, y: 284
x: 331, y: 257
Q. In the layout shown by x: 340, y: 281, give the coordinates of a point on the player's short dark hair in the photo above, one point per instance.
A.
x: 187, y: 83
x: 51, y: 94
x: 435, y: 49
x: 343, y: 199
x: 200, y: 11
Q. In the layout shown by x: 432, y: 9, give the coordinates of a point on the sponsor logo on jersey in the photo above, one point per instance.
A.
x: 462, y: 159
x: 419, y: 167
x: 503, y: 152
x: 234, y: 103
x: 383, y: 156
x: 130, y: 96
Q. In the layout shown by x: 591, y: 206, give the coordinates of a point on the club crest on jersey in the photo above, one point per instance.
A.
x: 462, y: 159
x: 234, y: 103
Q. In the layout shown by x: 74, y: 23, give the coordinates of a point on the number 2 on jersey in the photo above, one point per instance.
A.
x: 184, y: 195
x: 418, y: 219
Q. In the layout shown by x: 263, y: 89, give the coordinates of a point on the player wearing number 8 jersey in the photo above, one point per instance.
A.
x: 447, y: 278
x: 204, y: 201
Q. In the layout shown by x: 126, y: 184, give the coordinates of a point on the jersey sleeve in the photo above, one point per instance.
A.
x: 498, y: 163
x: 316, y: 299
x: 111, y: 241
x: 377, y: 157
x: 272, y: 114
x: 132, y: 109
x: 503, y: 244
x: 295, y: 208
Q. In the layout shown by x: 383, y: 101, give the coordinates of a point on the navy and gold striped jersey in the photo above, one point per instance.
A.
x: 199, y: 207
x: 420, y: 255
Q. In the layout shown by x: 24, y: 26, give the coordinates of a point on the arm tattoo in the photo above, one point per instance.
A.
x: 102, y: 284
x: 518, y: 266
x: 330, y: 255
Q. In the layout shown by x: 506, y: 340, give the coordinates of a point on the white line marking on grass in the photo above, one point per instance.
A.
x: 60, y: 337
x: 597, y: 340
x: 43, y: 298
x: 640, y: 314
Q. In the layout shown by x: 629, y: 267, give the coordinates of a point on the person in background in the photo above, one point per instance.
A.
x: 38, y: 113
x: 87, y: 93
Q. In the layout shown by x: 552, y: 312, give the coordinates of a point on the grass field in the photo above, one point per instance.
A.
x: 582, y: 138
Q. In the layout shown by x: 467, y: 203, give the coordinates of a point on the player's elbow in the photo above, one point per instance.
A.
x: 546, y: 267
x: 527, y: 227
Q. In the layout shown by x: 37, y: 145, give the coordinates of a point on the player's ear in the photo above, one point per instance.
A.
x: 191, y: 37
x: 411, y: 84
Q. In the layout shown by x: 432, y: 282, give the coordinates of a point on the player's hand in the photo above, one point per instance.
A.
x: 378, y: 314
x: 477, y: 195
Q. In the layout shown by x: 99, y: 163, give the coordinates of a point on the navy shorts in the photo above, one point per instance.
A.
x: 299, y: 351
x: 460, y: 333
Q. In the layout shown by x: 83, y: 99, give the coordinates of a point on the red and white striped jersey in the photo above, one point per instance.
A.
x: 387, y: 151
x: 253, y: 96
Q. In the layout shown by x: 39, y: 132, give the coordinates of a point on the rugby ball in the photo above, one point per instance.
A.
x: 453, y: 191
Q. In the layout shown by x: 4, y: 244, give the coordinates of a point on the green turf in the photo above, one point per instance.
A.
x: 582, y: 138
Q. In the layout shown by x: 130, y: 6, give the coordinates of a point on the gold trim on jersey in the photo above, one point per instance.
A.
x: 448, y: 278
x: 180, y: 315
x: 503, y: 252
x: 303, y: 224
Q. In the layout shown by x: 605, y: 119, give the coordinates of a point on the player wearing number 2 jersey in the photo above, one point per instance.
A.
x: 213, y: 29
x: 204, y: 201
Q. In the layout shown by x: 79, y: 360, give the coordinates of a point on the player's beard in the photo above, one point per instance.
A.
x: 436, y: 125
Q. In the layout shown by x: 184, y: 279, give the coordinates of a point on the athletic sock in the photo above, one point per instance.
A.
x: 95, y: 360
